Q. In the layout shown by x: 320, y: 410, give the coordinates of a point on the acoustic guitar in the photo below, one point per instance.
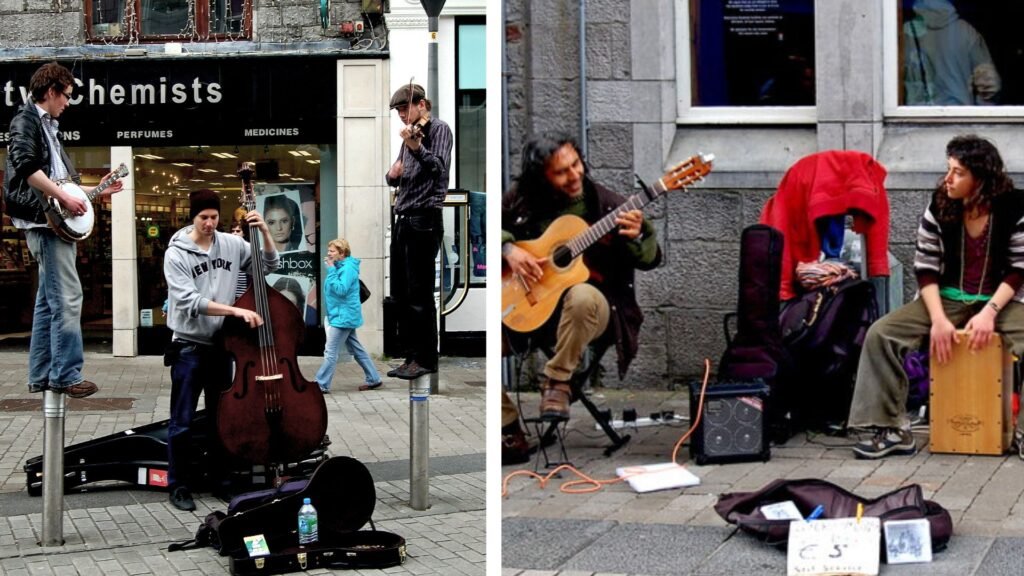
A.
x: 526, y: 305
x: 74, y: 228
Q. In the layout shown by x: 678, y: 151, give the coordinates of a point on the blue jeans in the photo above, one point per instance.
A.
x: 335, y: 337
x: 195, y: 369
x: 55, y: 353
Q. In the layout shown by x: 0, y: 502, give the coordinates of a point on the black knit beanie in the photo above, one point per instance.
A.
x: 201, y: 200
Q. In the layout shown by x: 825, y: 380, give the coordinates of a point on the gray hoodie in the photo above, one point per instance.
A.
x: 196, y: 277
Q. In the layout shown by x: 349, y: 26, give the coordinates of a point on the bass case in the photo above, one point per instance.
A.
x: 341, y: 489
x: 137, y: 458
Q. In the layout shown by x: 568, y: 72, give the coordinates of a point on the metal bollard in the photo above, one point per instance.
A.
x: 54, y: 406
x: 419, y: 440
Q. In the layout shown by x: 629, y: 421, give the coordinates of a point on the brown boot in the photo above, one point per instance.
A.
x: 554, y: 400
x: 515, y: 449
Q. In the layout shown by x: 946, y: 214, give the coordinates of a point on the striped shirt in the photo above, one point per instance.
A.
x: 424, y: 179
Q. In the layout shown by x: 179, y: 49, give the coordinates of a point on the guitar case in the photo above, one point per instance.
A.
x: 138, y: 457
x: 341, y: 489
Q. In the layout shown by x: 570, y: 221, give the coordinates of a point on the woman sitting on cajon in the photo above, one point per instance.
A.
x: 969, y: 264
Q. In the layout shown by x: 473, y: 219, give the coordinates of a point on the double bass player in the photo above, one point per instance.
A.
x: 201, y: 267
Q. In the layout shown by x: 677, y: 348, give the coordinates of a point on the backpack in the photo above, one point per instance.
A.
x: 756, y: 351
x: 824, y: 330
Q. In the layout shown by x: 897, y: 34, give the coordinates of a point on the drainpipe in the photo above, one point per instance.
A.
x: 583, y: 78
x: 506, y: 177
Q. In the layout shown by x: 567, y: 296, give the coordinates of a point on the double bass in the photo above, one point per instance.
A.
x: 271, y: 413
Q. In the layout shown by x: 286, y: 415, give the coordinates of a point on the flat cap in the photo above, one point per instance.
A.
x: 401, y: 96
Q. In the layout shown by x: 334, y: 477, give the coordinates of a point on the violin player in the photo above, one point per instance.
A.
x: 421, y: 175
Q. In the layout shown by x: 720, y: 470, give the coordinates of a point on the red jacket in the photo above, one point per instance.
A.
x: 829, y: 184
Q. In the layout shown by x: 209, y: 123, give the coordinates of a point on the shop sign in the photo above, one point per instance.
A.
x: 201, y: 101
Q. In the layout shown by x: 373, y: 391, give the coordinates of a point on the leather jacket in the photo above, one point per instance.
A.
x: 28, y: 152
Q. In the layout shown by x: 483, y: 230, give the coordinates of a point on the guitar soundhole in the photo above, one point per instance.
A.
x: 562, y: 257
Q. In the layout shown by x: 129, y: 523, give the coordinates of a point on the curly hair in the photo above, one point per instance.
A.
x: 533, y: 193
x: 979, y: 156
x: 49, y: 75
x: 341, y: 245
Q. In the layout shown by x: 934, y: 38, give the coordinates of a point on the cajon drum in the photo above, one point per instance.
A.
x: 970, y: 400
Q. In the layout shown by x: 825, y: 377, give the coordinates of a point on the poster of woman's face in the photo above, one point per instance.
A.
x: 294, y: 288
x: 280, y: 210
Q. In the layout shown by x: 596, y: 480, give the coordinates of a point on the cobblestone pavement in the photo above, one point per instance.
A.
x: 615, y: 530
x: 119, y: 530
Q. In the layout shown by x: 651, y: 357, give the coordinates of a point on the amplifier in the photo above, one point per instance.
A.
x: 733, y: 427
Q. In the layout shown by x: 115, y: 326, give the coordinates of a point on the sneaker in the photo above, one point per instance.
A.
x: 80, y: 390
x: 886, y: 441
x: 181, y: 499
x: 325, y: 390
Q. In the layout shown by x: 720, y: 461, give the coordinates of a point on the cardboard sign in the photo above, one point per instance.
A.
x: 834, y: 546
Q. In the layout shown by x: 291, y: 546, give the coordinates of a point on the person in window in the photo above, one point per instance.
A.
x: 946, y: 61
x: 284, y: 221
x: 344, y: 315
x: 969, y: 269
x: 554, y: 182
x: 201, y: 267
x: 36, y: 161
x: 421, y: 175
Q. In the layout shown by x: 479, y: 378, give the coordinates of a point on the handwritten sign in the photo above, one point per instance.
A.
x: 834, y: 546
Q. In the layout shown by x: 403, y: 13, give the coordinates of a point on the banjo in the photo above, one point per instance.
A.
x: 74, y: 228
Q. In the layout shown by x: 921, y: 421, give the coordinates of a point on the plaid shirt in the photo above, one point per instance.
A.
x: 424, y: 179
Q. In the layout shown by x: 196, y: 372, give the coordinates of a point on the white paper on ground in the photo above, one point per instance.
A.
x: 652, y: 477
x: 781, y: 511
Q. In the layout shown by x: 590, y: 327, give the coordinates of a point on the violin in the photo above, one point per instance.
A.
x: 416, y: 128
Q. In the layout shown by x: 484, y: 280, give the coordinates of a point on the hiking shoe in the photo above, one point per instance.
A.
x: 886, y: 441
x: 412, y: 371
x: 80, y: 390
x: 394, y: 371
x: 554, y: 400
x: 181, y: 499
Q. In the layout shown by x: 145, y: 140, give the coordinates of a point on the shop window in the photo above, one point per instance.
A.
x: 471, y: 137
x: 746, y: 60
x: 128, y: 20
x: 286, y: 188
x: 953, y: 53
x: 19, y: 272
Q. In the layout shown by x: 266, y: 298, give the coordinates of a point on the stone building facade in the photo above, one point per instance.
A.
x: 636, y: 125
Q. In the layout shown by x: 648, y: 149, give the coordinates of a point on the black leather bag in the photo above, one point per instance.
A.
x: 364, y: 292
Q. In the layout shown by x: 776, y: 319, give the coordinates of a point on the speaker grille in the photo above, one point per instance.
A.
x: 732, y: 427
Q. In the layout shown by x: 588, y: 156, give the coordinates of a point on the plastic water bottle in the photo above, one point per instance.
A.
x: 307, y: 523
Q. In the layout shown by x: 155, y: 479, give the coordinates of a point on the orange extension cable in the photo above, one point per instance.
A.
x: 592, y: 484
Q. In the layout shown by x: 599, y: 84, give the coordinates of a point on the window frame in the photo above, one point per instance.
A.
x: 687, y: 113
x: 202, y: 26
x: 893, y: 110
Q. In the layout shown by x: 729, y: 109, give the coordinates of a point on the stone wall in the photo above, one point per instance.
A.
x: 61, y: 23
x: 631, y: 78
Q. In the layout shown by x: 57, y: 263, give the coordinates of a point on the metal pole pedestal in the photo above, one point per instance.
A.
x: 54, y: 406
x: 419, y: 440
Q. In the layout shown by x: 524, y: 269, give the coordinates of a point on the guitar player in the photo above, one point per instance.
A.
x: 35, y: 161
x: 554, y: 182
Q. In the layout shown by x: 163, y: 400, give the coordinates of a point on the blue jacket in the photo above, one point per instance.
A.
x: 341, y: 290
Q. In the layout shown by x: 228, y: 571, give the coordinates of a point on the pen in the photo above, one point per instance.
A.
x: 816, y: 513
